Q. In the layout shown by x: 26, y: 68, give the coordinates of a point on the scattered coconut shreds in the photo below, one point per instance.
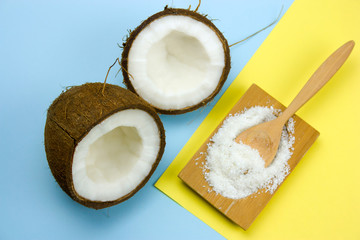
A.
x: 236, y: 170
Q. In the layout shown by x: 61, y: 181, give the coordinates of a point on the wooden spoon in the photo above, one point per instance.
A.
x: 265, y: 137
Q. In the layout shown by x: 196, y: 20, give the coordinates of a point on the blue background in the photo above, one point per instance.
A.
x: 46, y: 46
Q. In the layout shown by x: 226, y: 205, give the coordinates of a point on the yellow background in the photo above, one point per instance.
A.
x: 321, y: 197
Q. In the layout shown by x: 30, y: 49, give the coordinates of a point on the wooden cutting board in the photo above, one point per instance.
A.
x: 244, y: 211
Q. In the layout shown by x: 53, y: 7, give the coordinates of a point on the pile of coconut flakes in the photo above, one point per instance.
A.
x: 235, y: 170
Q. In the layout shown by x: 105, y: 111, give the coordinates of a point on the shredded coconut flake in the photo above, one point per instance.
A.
x: 236, y: 170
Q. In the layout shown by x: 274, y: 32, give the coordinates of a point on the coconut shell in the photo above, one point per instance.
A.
x: 72, y: 115
x: 184, y: 12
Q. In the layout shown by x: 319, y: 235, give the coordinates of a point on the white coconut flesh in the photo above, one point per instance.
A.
x: 115, y: 156
x: 176, y: 62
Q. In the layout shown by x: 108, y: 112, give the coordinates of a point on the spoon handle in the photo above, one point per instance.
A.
x: 319, y: 78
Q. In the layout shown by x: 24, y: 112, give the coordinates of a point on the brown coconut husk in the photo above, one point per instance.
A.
x: 72, y: 115
x: 184, y: 12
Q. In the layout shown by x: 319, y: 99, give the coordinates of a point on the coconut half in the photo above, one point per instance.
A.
x: 176, y: 60
x: 102, y: 148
